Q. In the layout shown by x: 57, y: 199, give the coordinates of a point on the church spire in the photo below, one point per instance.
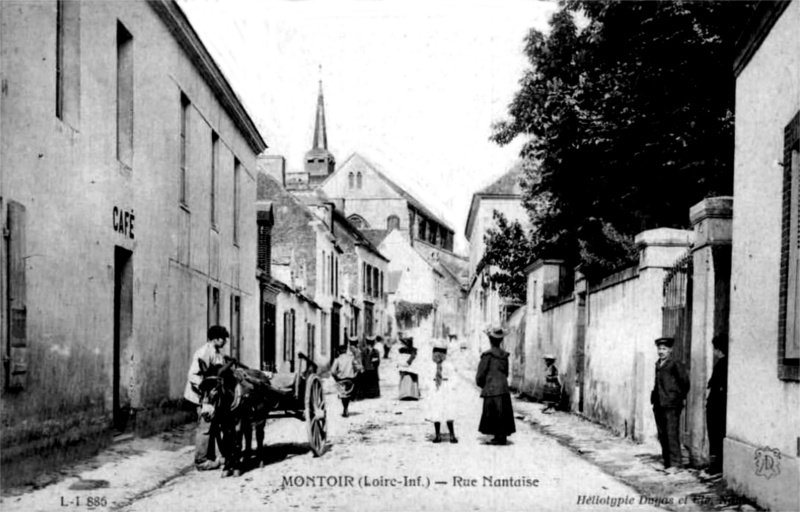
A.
x: 320, y: 130
x: 319, y: 162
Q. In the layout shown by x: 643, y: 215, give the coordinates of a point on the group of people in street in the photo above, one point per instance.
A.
x: 355, y: 372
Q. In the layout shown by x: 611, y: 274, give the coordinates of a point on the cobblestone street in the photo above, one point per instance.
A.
x: 380, y: 458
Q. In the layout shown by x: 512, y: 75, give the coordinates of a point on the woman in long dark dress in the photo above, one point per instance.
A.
x: 370, y: 380
x: 492, y: 377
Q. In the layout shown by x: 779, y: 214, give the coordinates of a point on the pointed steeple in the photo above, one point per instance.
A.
x: 319, y: 162
x: 320, y: 130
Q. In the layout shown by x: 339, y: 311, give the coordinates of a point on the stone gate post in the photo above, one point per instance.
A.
x: 712, y: 223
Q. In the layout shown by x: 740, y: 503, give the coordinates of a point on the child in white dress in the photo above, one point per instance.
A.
x: 439, y: 404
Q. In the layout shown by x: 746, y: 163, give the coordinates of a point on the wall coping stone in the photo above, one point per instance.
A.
x: 664, y: 237
x: 536, y: 265
x: 711, y: 208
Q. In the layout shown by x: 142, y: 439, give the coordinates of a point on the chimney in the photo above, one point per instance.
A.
x: 275, y: 166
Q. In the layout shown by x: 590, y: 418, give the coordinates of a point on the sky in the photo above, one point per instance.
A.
x: 413, y: 86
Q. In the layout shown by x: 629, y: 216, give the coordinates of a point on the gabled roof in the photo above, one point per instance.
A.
x: 375, y: 236
x: 416, y: 203
x: 506, y: 186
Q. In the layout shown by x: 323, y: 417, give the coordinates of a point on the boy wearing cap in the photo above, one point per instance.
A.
x: 207, y: 431
x: 670, y: 389
x: 492, y: 377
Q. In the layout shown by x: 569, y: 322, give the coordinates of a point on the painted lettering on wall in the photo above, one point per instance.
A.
x: 123, y: 222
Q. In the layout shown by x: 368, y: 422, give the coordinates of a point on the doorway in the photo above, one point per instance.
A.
x: 123, y: 328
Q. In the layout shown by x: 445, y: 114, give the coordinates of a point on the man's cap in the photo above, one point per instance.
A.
x: 549, y: 357
x: 370, y: 338
x: 217, y: 331
x: 665, y: 341
x: 353, y: 338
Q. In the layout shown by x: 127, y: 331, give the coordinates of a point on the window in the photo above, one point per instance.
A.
x: 789, y: 315
x: 60, y: 29
x: 68, y: 78
x: 213, y: 306
x: 311, y: 334
x: 336, y: 281
x: 214, y: 164
x: 289, y: 338
x: 185, y: 106
x: 358, y: 180
x: 392, y: 222
x: 236, y: 174
x: 235, y: 327
x: 124, y: 96
x: 323, y: 339
x: 422, y: 232
x: 330, y: 274
x: 350, y: 180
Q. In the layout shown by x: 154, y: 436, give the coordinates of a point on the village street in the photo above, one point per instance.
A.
x: 380, y: 458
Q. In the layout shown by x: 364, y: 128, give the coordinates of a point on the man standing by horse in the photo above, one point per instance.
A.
x: 207, y: 430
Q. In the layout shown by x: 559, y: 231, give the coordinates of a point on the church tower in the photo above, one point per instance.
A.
x: 319, y: 163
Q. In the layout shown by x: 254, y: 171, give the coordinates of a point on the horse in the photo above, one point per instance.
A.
x: 237, y: 398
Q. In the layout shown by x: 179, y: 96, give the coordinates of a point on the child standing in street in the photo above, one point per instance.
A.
x: 439, y: 404
x: 552, y: 385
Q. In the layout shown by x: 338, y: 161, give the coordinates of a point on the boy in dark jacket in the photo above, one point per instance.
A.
x: 492, y: 377
x: 670, y: 389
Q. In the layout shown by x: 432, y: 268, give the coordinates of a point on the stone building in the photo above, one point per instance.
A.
x: 373, y: 201
x: 125, y: 162
x: 306, y: 269
x: 762, y: 446
x: 485, y: 305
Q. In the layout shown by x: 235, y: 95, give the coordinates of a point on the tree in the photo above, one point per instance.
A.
x: 508, y: 247
x: 629, y: 121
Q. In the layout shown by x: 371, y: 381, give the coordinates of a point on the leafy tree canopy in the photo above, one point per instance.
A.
x: 629, y: 122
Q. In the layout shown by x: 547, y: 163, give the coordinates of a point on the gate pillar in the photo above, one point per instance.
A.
x: 712, y: 222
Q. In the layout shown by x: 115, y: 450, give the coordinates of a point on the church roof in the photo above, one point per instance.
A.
x: 416, y: 203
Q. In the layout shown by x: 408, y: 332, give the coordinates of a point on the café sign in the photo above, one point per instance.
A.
x: 123, y: 222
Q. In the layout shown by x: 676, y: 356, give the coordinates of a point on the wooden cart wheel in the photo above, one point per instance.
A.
x: 316, y: 417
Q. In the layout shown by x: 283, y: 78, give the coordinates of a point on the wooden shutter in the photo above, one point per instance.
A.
x: 18, y: 311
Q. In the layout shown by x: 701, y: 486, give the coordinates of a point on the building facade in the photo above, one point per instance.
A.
x: 762, y: 446
x: 485, y: 305
x: 306, y: 267
x: 126, y: 159
x: 372, y: 201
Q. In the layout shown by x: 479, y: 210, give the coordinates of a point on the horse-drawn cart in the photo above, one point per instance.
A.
x: 242, y: 399
x: 299, y: 395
